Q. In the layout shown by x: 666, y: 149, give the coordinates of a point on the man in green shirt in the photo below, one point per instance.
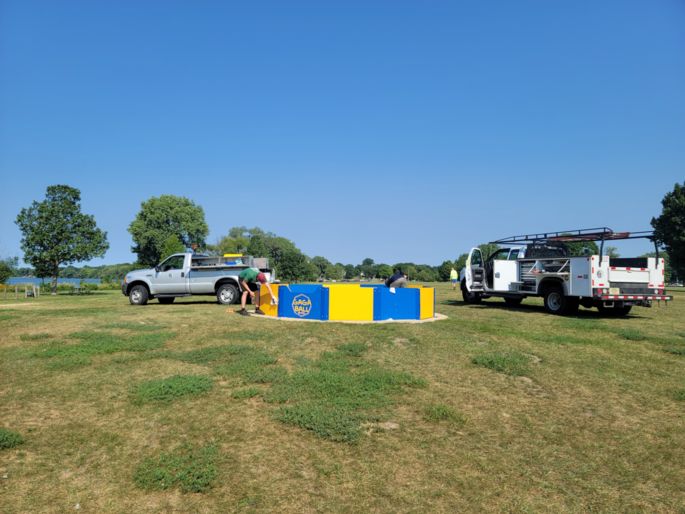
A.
x: 454, y: 277
x: 251, y: 276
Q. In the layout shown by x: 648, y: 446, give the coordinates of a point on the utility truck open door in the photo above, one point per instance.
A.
x: 474, y: 271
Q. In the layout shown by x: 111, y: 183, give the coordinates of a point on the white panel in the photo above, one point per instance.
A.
x: 580, y: 277
x: 505, y: 273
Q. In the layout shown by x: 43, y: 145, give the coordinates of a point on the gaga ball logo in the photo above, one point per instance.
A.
x: 302, y: 305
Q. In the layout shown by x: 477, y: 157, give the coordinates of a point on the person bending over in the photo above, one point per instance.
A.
x: 247, y: 277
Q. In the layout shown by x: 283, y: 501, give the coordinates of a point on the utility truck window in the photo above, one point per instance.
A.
x: 175, y: 262
x: 476, y: 259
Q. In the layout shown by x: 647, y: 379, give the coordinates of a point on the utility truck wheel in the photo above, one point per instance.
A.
x: 469, y: 297
x: 556, y: 302
x: 138, y: 295
x: 166, y: 300
x: 227, y: 294
x: 513, y: 302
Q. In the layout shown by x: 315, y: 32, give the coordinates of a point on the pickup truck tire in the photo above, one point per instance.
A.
x: 556, y: 302
x: 138, y: 295
x: 469, y: 297
x: 227, y: 294
x: 166, y: 300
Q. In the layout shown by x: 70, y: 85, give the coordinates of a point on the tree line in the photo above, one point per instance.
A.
x: 56, y: 234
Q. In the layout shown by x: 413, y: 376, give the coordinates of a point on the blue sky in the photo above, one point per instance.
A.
x: 401, y: 131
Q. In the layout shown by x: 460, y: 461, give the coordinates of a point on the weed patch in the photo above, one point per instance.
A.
x: 352, y: 349
x: 171, y: 388
x: 9, y: 439
x: 631, y: 334
x: 334, y: 395
x: 192, y: 470
x: 679, y: 395
x: 675, y: 350
x: 36, y: 337
x: 134, y: 327
x: 98, y: 343
x: 242, y: 394
x: 214, y: 353
x: 439, y: 412
x: 68, y: 362
x: 510, y: 363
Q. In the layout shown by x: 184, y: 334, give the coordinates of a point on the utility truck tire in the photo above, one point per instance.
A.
x: 557, y: 303
x: 513, y: 302
x: 166, y: 300
x: 227, y: 294
x: 138, y: 295
x: 469, y: 297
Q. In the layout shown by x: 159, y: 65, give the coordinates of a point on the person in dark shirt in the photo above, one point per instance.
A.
x: 399, y: 279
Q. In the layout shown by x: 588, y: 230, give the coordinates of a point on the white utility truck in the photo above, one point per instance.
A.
x: 186, y: 274
x: 541, y: 265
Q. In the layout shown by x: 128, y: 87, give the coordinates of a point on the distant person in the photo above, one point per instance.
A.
x: 247, y: 277
x: 399, y: 279
x: 454, y: 278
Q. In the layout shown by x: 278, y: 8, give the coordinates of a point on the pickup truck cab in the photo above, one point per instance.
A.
x: 186, y: 274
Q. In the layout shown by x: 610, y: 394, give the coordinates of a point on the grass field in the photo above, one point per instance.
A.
x: 105, y: 407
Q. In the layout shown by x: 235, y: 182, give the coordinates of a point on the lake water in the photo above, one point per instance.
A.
x: 41, y: 282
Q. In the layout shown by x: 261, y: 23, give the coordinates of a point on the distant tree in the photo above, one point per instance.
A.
x: 668, y: 272
x: 582, y: 248
x: 322, y: 264
x: 335, y: 271
x: 56, y: 232
x: 669, y: 228
x: 611, y: 252
x: 488, y: 249
x: 383, y: 271
x: 7, y: 268
x: 367, y: 268
x: 172, y: 245
x: 461, y: 261
x: 161, y: 217
x: 350, y: 271
x: 444, y: 271
x: 288, y: 261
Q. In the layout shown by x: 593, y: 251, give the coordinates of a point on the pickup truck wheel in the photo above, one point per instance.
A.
x: 227, y: 294
x: 138, y: 295
x: 513, y: 302
x: 166, y: 300
x: 555, y: 300
x: 469, y: 297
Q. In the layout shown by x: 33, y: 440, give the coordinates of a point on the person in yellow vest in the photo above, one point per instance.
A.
x: 454, y: 278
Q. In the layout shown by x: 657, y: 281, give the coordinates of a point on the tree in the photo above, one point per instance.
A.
x: 487, y: 249
x: 582, y: 248
x: 461, y: 261
x: 350, y: 271
x: 172, y: 245
x: 611, y: 252
x: 367, y: 268
x: 444, y: 270
x: 161, y: 217
x: 335, y: 271
x: 322, y: 264
x: 669, y: 228
x: 383, y: 271
x: 7, y: 268
x: 56, y: 232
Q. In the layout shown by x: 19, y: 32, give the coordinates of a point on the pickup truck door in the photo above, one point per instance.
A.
x: 170, y: 276
x: 474, y: 270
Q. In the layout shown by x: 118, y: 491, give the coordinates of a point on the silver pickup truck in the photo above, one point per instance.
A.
x: 186, y: 274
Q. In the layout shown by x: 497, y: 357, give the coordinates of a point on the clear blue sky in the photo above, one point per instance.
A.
x: 401, y: 131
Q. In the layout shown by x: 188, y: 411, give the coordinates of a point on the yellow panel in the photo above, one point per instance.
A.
x: 427, y: 303
x: 350, y: 303
x: 265, y: 300
x: 233, y: 255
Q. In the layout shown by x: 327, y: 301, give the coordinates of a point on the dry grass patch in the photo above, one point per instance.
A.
x: 192, y: 470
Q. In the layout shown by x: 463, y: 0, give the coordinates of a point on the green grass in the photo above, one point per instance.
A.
x: 510, y: 362
x: 248, y: 392
x: 330, y: 417
x: 675, y: 350
x: 443, y: 413
x: 192, y: 470
x: 9, y: 439
x: 100, y: 343
x: 171, y: 388
x: 631, y: 334
x: 334, y: 395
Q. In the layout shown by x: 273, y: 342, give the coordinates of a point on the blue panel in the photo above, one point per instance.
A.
x: 303, y: 301
x: 404, y: 303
